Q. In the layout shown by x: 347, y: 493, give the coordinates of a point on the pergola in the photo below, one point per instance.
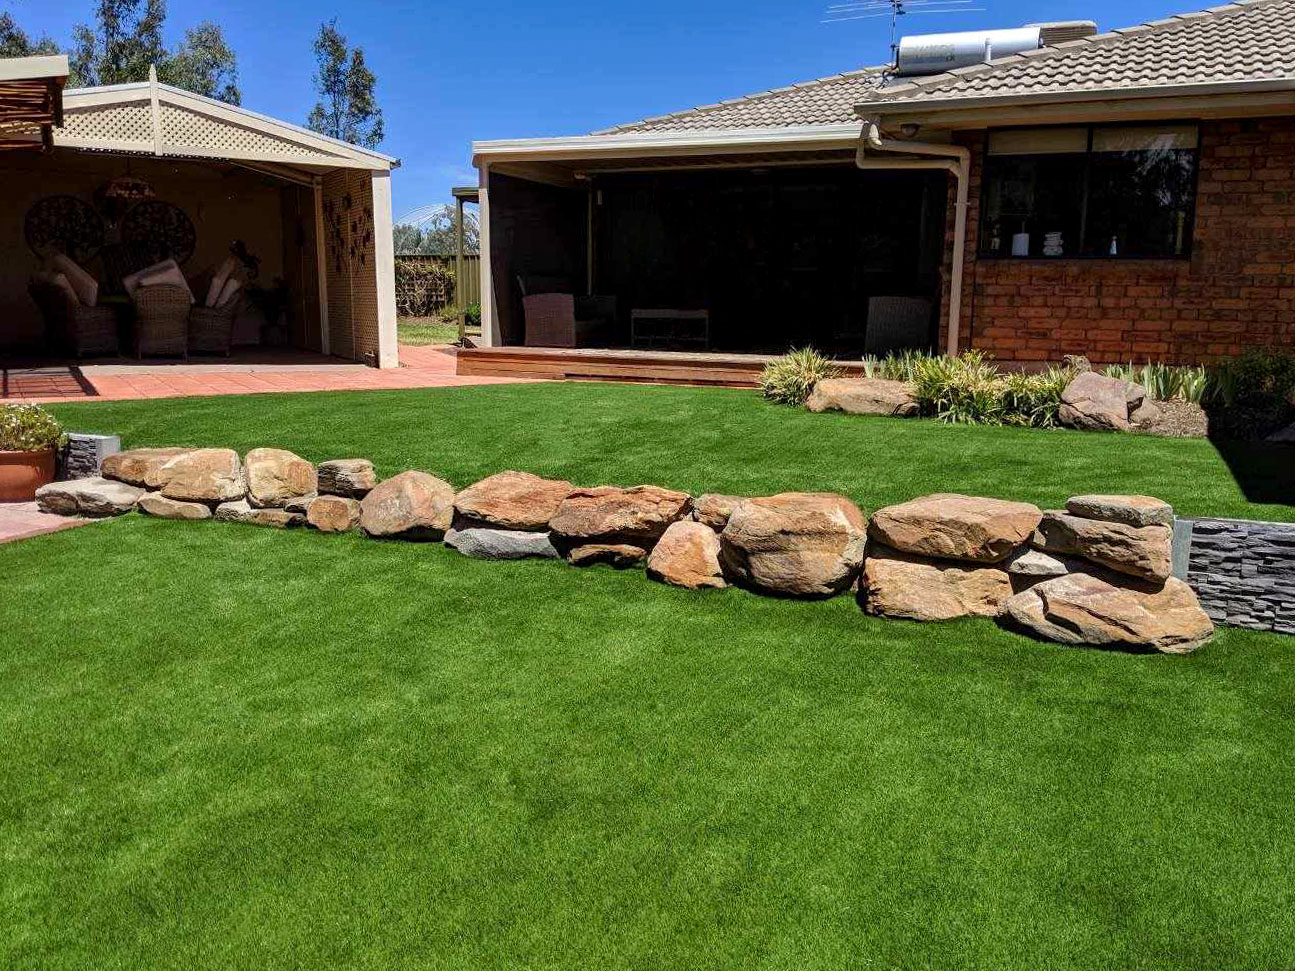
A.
x: 31, y: 97
x: 330, y: 214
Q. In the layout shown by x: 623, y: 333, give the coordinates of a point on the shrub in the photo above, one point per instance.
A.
x: 1034, y: 400
x: 423, y: 286
x: 895, y: 367
x: 28, y: 428
x: 1164, y: 382
x: 790, y: 379
x: 1258, y: 378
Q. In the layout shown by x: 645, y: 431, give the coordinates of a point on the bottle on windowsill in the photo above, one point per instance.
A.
x: 1115, y: 246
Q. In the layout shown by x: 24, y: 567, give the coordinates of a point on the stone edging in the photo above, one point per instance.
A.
x: 1096, y: 573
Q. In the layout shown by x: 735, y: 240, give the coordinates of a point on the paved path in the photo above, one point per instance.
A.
x: 421, y: 367
x: 19, y: 520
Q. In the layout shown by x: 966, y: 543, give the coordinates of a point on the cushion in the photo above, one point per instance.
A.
x: 229, y: 291
x: 60, y: 281
x: 86, y: 286
x: 218, y: 280
x: 129, y: 283
x: 170, y: 276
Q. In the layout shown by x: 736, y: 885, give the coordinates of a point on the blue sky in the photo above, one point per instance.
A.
x: 449, y: 73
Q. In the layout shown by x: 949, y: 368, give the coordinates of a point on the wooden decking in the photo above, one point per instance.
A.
x: 600, y: 364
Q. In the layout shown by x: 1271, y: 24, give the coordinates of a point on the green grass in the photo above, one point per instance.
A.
x: 420, y: 331
x: 226, y: 747
x: 707, y: 440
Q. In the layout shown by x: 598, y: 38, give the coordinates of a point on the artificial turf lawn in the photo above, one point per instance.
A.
x: 709, y: 440
x: 227, y: 747
x: 421, y: 331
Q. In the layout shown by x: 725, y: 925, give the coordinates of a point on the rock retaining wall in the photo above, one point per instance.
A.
x: 1100, y: 572
x: 1244, y: 572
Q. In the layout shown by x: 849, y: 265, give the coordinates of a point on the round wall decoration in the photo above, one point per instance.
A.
x: 64, y: 224
x: 159, y: 231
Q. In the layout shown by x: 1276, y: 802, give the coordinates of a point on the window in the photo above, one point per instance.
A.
x: 1118, y: 191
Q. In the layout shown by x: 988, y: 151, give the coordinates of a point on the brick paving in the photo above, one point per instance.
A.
x: 421, y: 367
x: 21, y: 520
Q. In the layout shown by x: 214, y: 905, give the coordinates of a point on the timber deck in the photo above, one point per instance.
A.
x: 602, y: 364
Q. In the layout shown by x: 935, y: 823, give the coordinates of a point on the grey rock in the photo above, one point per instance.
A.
x: 1099, y: 403
x: 95, y: 497
x: 1036, y: 563
x: 1129, y: 510
x: 484, y: 543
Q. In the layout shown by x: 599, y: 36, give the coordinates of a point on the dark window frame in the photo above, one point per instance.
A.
x: 1189, y: 229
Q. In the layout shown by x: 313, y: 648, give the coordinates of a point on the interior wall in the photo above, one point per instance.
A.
x: 779, y: 257
x: 223, y: 205
x: 535, y: 230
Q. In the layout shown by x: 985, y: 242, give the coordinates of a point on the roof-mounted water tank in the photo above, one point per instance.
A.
x: 935, y: 53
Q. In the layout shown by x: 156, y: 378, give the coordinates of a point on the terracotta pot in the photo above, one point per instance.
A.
x: 22, y: 473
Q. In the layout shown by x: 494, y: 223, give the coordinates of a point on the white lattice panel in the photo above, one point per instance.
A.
x: 130, y: 122
x: 182, y: 128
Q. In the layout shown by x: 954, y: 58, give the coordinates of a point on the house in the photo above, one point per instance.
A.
x: 114, y: 177
x: 1122, y: 195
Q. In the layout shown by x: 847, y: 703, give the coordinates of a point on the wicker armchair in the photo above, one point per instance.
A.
x: 161, y: 320
x: 211, y: 329
x: 83, y: 331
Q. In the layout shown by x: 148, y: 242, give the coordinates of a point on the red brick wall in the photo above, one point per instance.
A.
x: 1237, y: 290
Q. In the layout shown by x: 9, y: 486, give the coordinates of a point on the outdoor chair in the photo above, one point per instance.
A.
x: 81, y: 330
x: 555, y: 317
x: 161, y: 320
x: 211, y: 329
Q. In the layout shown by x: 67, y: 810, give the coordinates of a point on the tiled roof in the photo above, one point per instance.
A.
x: 1245, y: 41
x: 826, y: 101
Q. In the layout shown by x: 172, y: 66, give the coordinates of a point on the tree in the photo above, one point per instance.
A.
x: 347, y: 108
x: 14, y: 41
x: 127, y: 40
x: 203, y: 64
x: 435, y: 233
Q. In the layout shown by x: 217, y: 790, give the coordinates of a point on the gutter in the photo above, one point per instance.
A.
x: 950, y: 158
x: 913, y: 103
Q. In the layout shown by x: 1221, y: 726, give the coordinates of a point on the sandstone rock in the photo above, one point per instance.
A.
x: 956, y: 527
x: 512, y: 500
x: 620, y: 555
x: 1036, y: 563
x: 1100, y: 403
x: 300, y: 504
x: 412, y: 505
x: 1283, y: 436
x: 201, y: 475
x: 608, y: 515
x: 275, y: 475
x: 864, y: 396
x: 1083, y: 609
x: 896, y: 584
x: 1129, y: 510
x: 353, y: 478
x: 333, y: 514
x: 136, y: 465
x: 687, y: 555
x: 714, y: 509
x: 1139, y: 551
x: 485, y: 543
x: 156, y: 504
x: 95, y: 497
x: 1144, y: 415
x: 795, y: 544
x: 242, y: 511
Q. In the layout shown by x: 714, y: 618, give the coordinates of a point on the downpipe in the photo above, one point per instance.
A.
x: 950, y: 158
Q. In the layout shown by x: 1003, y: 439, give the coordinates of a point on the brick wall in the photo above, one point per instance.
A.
x: 349, y: 263
x: 1237, y: 290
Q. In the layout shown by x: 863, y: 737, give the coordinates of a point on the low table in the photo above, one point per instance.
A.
x: 664, y: 329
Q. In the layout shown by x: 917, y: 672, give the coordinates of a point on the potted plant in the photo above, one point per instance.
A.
x: 29, y: 440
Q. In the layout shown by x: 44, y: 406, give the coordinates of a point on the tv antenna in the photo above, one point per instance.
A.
x: 894, y: 9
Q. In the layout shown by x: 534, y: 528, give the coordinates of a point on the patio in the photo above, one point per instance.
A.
x: 252, y: 371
